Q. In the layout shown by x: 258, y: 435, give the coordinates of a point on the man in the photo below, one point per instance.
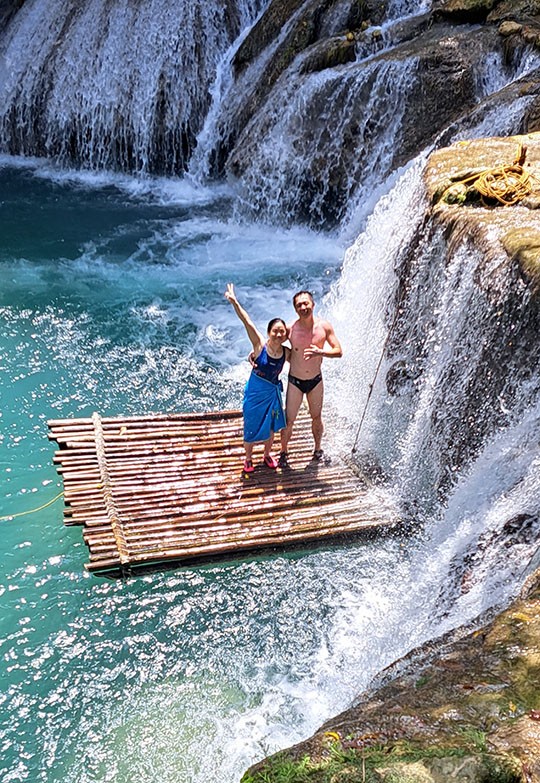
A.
x: 311, y: 340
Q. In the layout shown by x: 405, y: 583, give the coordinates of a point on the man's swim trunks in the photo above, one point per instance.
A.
x: 305, y: 384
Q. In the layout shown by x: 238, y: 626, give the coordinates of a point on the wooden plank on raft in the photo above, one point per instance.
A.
x: 162, y: 489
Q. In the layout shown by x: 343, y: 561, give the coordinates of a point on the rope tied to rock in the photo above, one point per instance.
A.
x: 504, y: 184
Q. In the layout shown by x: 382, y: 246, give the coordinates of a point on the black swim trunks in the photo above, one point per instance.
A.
x: 305, y: 384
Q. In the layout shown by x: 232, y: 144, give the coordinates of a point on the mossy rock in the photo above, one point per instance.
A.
x: 329, y: 53
x: 523, y: 244
x: 465, y: 10
x: 516, y: 10
x: 402, y: 772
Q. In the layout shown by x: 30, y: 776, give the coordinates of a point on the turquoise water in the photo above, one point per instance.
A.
x: 112, y: 300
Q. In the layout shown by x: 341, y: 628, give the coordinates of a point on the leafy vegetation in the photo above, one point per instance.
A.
x: 359, y: 765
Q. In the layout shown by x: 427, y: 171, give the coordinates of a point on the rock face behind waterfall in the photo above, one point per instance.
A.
x: 468, y: 309
x: 308, y: 105
x: 332, y: 105
x: 112, y: 85
x: 351, y: 125
x: 464, y: 359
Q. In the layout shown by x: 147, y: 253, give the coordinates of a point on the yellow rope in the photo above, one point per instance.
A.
x: 505, y: 184
x: 32, y: 510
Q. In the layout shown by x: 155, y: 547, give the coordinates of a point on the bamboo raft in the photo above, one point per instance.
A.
x: 169, y: 489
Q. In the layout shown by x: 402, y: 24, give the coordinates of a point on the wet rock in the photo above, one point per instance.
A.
x: 285, y: 31
x: 8, y: 9
x: 329, y: 54
x: 515, y: 9
x: 343, y: 118
x: 265, y: 31
x: 521, y: 737
x: 504, y: 310
x: 464, y: 10
x: 400, y: 376
x: 523, y: 245
x: 518, y: 21
x: 462, y: 708
x: 509, y: 28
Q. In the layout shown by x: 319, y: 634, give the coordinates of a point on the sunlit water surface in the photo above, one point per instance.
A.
x: 111, y: 299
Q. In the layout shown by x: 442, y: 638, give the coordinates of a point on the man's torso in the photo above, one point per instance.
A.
x: 300, y: 338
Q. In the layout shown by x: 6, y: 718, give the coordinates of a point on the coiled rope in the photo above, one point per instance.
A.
x: 505, y: 184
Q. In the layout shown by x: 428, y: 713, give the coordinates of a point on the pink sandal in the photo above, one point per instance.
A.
x: 270, y: 462
x: 248, y: 466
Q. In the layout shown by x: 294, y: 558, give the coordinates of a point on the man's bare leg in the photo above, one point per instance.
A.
x: 315, y: 404
x: 292, y: 406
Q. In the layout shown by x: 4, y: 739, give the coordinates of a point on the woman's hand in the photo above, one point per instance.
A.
x: 229, y: 294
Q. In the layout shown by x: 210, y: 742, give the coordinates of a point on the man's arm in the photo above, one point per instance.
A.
x: 333, y: 352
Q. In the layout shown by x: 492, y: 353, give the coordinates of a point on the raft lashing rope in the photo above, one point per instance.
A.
x: 505, y: 184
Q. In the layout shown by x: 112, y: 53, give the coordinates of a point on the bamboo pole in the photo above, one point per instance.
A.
x: 169, y: 487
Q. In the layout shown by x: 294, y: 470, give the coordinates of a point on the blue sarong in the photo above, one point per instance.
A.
x: 263, y: 409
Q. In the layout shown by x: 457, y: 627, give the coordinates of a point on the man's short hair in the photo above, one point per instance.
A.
x: 302, y: 293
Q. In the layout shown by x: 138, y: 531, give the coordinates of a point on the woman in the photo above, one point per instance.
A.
x: 263, y: 407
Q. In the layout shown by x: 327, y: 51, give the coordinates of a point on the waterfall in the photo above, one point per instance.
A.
x: 452, y: 343
x: 230, y: 95
x: 113, y: 85
x: 324, y: 141
x: 193, y: 674
x: 298, y: 168
x: 458, y: 315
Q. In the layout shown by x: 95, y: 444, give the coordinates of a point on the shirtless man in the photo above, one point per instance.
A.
x: 311, y: 340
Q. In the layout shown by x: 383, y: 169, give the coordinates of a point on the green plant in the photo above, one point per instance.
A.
x: 281, y: 770
x: 474, y: 737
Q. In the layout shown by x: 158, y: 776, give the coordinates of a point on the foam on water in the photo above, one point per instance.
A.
x: 112, y: 299
x: 161, y: 190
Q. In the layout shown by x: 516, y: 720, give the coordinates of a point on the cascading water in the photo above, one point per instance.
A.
x: 111, y: 299
x: 300, y: 160
x: 326, y: 140
x: 113, y: 85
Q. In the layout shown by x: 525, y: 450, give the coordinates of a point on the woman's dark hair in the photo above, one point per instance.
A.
x: 276, y: 321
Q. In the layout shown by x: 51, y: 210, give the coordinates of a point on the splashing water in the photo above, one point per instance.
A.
x: 111, y: 298
x: 361, y: 108
x: 113, y: 85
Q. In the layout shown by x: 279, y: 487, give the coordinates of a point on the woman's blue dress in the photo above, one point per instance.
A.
x: 263, y: 405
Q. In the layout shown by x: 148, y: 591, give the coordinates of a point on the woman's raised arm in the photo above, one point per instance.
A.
x: 256, y: 338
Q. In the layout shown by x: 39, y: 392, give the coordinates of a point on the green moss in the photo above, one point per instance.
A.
x: 474, y: 738
x: 348, y: 765
x: 421, y: 681
x: 281, y: 770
